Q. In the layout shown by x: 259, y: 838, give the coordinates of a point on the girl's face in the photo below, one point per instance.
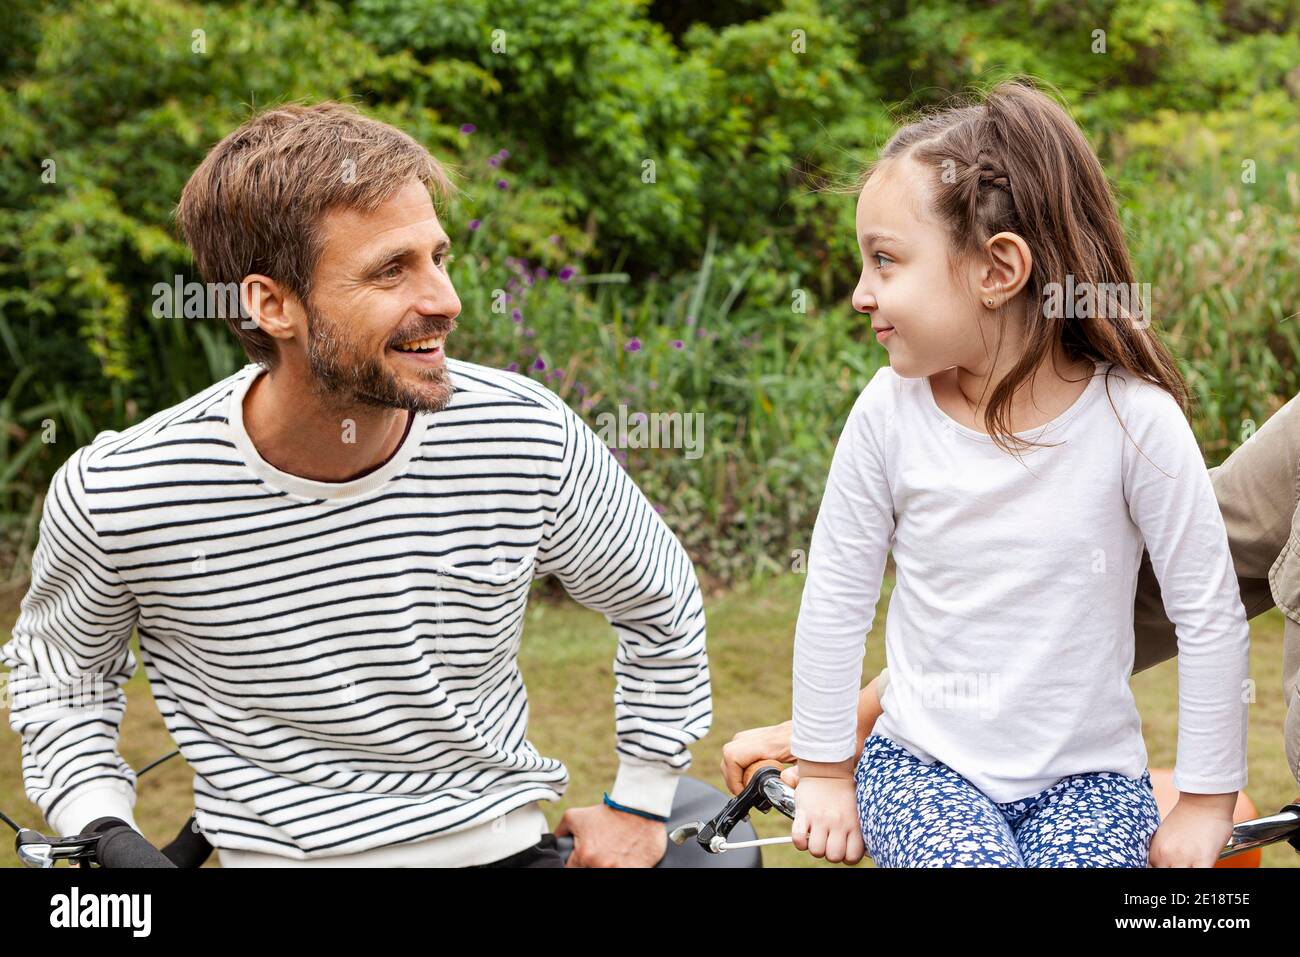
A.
x: 924, y: 318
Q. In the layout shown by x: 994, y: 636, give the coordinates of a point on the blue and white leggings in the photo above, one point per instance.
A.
x: 915, y: 814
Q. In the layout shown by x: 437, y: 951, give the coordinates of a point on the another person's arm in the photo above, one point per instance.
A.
x: 772, y: 743
x: 1256, y: 488
x: 69, y: 658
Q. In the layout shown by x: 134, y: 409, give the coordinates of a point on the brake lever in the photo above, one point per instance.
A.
x: 38, y: 850
x: 764, y: 792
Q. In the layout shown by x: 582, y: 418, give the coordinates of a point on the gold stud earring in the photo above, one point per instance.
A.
x: 989, y: 301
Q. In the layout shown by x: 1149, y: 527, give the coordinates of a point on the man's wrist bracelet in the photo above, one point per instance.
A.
x: 632, y: 810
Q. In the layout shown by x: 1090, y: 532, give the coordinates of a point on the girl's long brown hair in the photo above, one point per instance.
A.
x: 1017, y: 162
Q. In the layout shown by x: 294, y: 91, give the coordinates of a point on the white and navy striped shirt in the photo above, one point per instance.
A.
x: 337, y: 661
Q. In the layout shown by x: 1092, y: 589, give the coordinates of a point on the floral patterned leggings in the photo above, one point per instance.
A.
x: 915, y: 814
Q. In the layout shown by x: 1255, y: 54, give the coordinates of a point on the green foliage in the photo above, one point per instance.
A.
x: 666, y: 162
x: 587, y: 91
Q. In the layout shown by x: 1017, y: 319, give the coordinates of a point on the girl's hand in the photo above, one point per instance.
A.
x: 826, y: 815
x: 1195, y: 831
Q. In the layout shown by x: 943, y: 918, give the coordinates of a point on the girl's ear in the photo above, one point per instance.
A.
x: 1005, y: 271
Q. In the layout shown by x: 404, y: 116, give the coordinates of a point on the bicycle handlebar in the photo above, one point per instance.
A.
x: 757, y: 766
x: 120, y: 845
x: 189, y: 848
x: 762, y: 790
x: 111, y: 842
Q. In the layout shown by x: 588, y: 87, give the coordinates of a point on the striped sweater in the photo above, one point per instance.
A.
x: 338, y: 661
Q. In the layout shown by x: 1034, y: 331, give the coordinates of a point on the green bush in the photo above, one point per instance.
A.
x: 681, y: 293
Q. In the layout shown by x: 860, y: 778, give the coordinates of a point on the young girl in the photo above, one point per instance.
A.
x: 1026, y: 439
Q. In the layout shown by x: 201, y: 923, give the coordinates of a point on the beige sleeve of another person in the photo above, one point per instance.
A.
x: 1257, y: 488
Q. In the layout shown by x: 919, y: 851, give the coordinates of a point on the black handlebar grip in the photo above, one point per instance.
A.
x: 189, y: 848
x: 120, y: 845
x: 1294, y: 839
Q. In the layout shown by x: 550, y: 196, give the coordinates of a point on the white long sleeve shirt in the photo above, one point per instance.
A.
x: 1009, y: 633
x: 338, y: 661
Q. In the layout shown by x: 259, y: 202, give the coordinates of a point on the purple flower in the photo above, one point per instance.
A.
x: 530, y: 333
x: 557, y: 374
x: 493, y: 161
x: 542, y: 273
x: 516, y: 315
x: 677, y: 344
x: 539, y: 365
x: 502, y: 184
x: 633, y: 345
x: 513, y: 367
x: 659, y: 509
x: 580, y: 388
x: 565, y: 274
x: 475, y: 224
x: 503, y: 153
x: 555, y: 240
x: 468, y: 128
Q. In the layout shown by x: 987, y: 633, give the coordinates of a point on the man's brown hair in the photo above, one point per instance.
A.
x: 255, y: 203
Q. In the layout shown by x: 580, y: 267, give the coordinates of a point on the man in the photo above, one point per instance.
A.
x: 327, y: 555
x: 1258, y: 490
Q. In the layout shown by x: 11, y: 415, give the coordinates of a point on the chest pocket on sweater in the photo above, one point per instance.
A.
x: 480, y: 611
x: 1284, y: 580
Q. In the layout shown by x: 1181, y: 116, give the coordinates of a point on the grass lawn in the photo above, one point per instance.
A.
x: 566, y: 661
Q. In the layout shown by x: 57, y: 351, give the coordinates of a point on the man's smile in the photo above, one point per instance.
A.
x: 426, y: 352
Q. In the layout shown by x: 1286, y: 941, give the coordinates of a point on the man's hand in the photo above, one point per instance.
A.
x: 604, y: 837
x: 1194, y: 832
x: 749, y: 747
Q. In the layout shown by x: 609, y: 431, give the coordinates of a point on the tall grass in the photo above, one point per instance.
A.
x: 727, y: 340
x: 775, y: 384
x: 1226, y: 287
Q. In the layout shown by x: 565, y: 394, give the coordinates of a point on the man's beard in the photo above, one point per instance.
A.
x: 342, y: 375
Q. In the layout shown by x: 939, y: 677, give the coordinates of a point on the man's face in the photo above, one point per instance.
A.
x: 381, y: 283
x: 906, y: 285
